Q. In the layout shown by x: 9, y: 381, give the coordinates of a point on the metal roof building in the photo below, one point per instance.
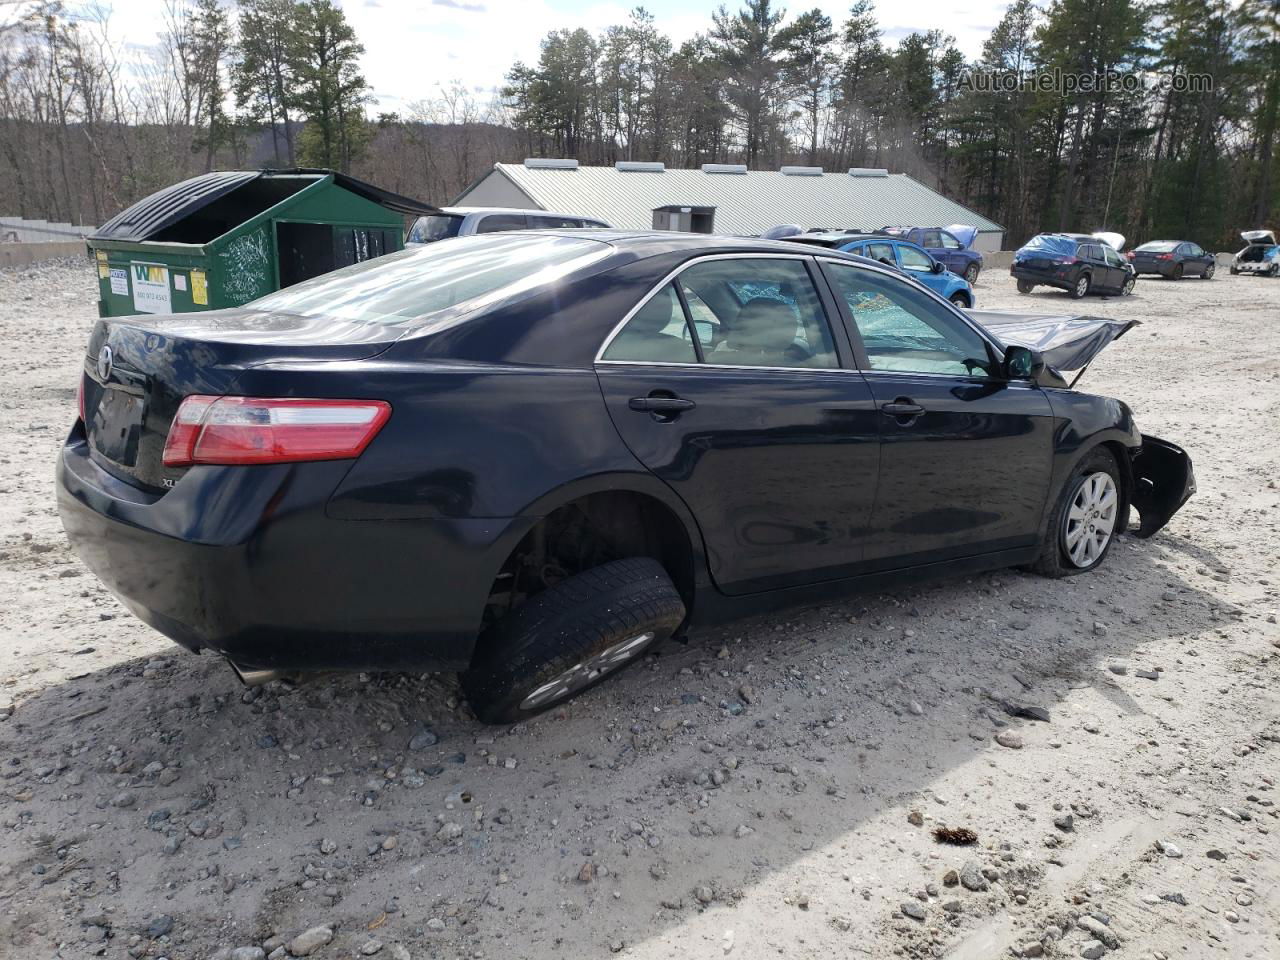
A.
x: 724, y: 198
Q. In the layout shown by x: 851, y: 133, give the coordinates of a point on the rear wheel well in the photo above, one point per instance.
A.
x: 584, y: 533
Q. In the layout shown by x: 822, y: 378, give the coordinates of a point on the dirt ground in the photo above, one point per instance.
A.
x: 768, y: 790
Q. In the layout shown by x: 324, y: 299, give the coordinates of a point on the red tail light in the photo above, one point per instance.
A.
x: 247, y: 430
x: 80, y: 396
x: 1164, y: 256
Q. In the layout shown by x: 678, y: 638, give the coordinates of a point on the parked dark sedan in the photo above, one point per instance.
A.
x: 1074, y: 262
x: 531, y: 457
x: 1172, y: 259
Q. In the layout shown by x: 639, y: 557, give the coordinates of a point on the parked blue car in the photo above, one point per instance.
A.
x: 916, y: 262
x: 911, y: 259
x: 952, y: 245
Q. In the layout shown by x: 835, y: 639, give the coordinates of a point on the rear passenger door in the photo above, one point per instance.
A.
x: 731, y: 384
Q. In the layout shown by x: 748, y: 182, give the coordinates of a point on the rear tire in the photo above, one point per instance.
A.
x: 1073, y: 519
x: 1025, y: 286
x: 1080, y: 287
x: 1177, y: 273
x: 570, y: 637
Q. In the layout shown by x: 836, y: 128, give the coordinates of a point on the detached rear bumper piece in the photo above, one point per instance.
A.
x: 1163, y: 481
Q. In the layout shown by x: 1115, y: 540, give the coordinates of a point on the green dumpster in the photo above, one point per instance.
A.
x: 223, y: 239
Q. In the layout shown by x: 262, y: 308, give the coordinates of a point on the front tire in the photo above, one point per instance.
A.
x: 971, y: 274
x: 1081, y: 287
x: 1127, y: 288
x: 570, y: 637
x: 1209, y: 271
x: 1085, y: 521
x: 960, y: 300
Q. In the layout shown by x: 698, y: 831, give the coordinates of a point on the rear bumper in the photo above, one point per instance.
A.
x: 1254, y: 266
x: 243, y: 561
x: 1163, y: 481
x: 1151, y: 268
x: 1046, y: 278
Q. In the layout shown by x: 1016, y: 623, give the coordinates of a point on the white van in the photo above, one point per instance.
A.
x: 464, y: 221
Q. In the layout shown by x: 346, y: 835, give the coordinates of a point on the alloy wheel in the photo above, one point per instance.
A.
x: 1091, y: 519
x: 1208, y: 271
x: 1082, y: 287
x: 588, y: 671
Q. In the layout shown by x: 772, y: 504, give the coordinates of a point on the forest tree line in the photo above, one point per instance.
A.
x: 1184, y: 147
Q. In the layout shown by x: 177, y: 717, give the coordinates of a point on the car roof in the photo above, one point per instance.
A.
x: 464, y: 211
x: 639, y: 244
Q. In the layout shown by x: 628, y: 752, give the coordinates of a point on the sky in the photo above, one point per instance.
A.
x: 415, y: 47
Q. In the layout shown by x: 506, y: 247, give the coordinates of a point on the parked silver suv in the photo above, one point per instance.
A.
x: 464, y: 221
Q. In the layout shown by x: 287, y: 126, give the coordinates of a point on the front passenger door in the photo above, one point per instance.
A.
x: 728, y: 385
x: 966, y: 456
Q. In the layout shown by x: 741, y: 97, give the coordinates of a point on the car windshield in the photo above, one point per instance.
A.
x: 1156, y: 246
x: 433, y: 228
x: 439, y: 282
x: 1051, y: 243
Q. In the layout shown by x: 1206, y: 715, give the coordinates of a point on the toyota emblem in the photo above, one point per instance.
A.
x: 104, y: 363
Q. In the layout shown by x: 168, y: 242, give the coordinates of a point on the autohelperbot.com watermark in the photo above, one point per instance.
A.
x: 1067, y: 83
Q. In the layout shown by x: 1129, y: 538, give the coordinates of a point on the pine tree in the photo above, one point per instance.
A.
x: 263, y: 74
x: 808, y: 63
x: 330, y: 92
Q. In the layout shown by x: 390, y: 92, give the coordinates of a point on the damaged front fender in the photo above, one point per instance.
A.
x: 1163, y: 481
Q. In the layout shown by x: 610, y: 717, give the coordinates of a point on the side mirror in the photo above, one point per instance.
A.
x: 1020, y: 363
x: 938, y: 267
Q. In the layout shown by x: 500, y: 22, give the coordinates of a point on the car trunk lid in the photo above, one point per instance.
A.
x: 1259, y: 238
x: 138, y: 369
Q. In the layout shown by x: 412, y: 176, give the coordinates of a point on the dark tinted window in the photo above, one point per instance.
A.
x: 905, y: 330
x: 541, y: 222
x: 430, y: 229
x: 930, y: 238
x: 497, y: 222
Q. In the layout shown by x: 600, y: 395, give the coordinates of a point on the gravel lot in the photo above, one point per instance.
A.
x: 771, y: 789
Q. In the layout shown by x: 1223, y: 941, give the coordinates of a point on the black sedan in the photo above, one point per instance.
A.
x: 533, y: 457
x: 1075, y: 262
x: 1172, y: 259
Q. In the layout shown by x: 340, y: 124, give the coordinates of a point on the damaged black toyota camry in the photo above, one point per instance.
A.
x: 531, y: 458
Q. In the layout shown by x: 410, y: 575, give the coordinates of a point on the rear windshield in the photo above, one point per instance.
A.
x: 1156, y: 246
x: 1051, y: 243
x: 438, y: 282
x: 433, y: 228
